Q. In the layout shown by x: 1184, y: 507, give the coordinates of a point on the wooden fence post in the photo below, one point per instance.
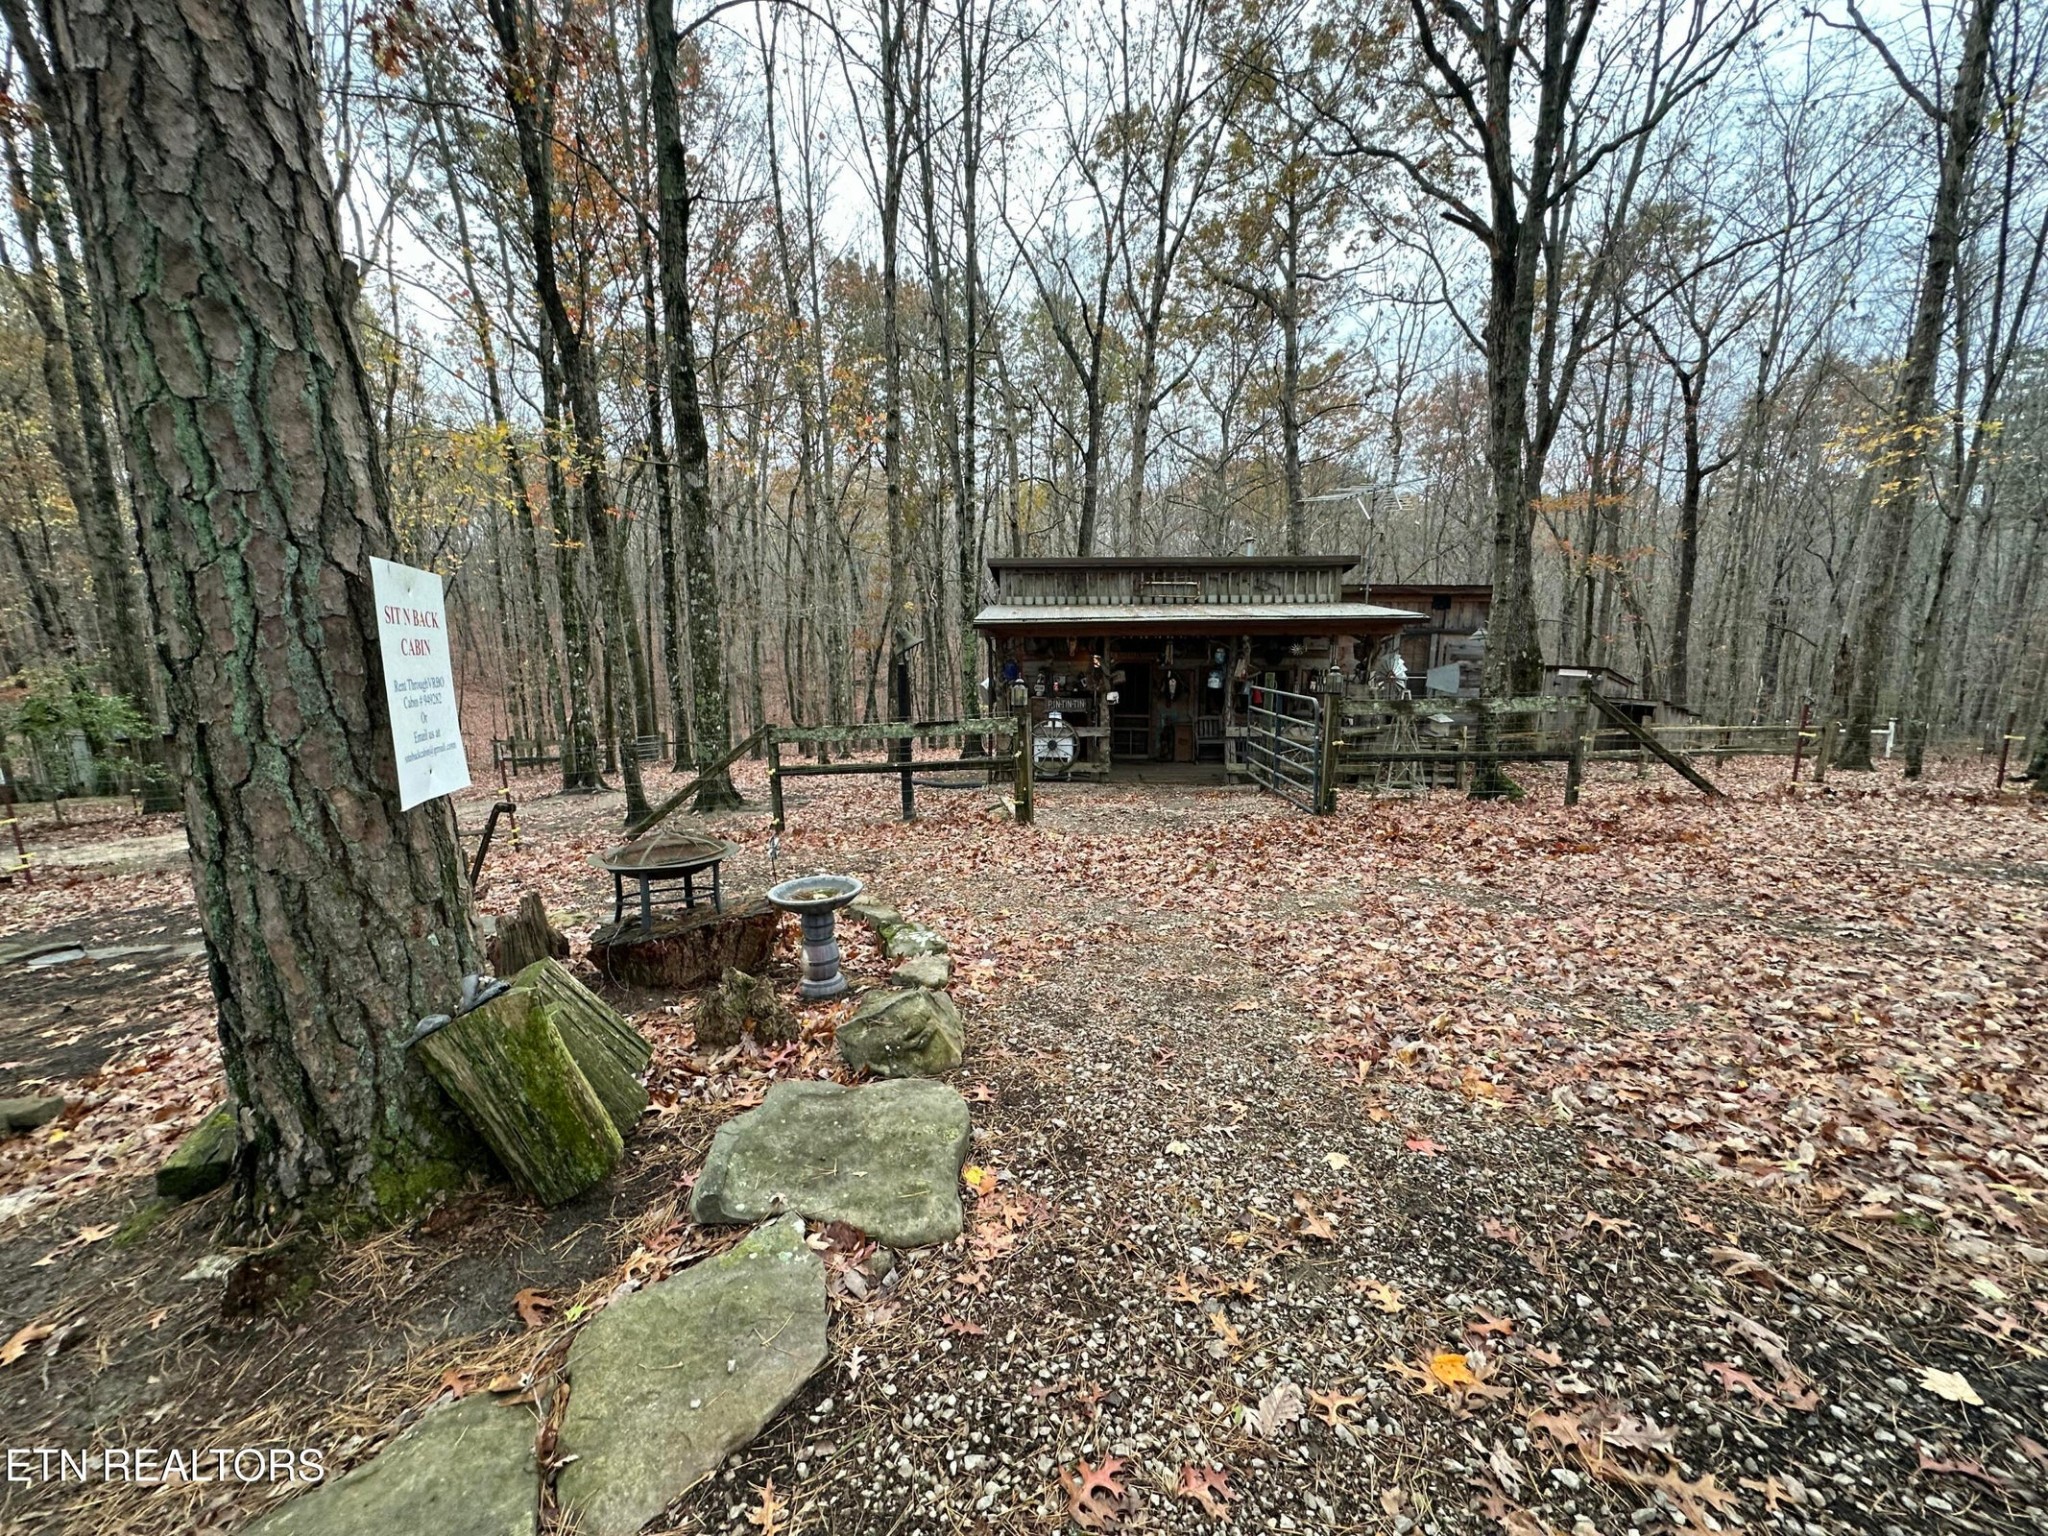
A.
x: 1026, y: 811
x: 1823, y: 751
x: 774, y: 774
x: 1326, y: 746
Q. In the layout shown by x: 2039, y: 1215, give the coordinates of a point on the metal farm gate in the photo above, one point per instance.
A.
x: 1283, y: 745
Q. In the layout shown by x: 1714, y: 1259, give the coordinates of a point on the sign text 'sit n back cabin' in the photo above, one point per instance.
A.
x: 1149, y: 660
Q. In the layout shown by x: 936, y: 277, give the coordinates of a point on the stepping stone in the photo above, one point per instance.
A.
x: 912, y: 939
x: 877, y: 915
x: 884, y: 1159
x: 18, y: 1115
x: 464, y: 1470
x: 931, y: 972
x: 904, y: 1032
x: 667, y: 1382
x: 203, y: 1161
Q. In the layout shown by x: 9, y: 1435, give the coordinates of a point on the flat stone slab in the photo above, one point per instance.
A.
x: 878, y: 915
x: 27, y: 1114
x: 903, y: 1032
x: 901, y: 943
x: 884, y: 1159
x: 666, y: 1383
x: 932, y: 972
x: 465, y: 1470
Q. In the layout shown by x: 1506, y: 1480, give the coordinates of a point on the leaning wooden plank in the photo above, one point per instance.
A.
x: 667, y: 808
x: 507, y: 1068
x: 1654, y: 747
x: 609, y: 1051
x: 558, y: 984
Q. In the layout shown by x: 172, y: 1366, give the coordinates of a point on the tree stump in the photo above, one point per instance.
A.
x: 695, y: 947
x: 740, y: 1002
x: 610, y: 1051
x: 508, y: 1069
x: 525, y: 937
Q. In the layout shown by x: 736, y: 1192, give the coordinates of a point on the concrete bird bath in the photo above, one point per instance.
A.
x: 815, y: 899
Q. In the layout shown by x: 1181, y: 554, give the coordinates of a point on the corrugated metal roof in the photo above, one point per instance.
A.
x: 1156, y: 562
x: 1194, y: 616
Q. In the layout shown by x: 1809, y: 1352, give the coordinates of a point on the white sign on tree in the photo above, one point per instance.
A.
x: 419, y: 682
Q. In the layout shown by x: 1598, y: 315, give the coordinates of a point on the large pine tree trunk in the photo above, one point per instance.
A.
x: 332, y: 919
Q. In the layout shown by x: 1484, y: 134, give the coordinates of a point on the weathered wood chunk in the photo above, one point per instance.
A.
x: 610, y: 1051
x: 507, y: 1068
x: 695, y: 947
x: 525, y: 937
x: 738, y: 1003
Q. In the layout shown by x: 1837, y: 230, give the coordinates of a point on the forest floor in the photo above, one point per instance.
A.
x: 1435, y: 1166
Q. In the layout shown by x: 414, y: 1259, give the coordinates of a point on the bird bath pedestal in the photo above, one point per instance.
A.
x: 815, y: 899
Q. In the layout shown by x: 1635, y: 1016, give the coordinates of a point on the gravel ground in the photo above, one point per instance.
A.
x: 1211, y: 1275
x: 1660, y: 1165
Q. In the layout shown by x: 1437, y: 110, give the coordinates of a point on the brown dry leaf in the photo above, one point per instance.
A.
x: 1740, y: 1264
x: 1208, y: 1487
x: 533, y: 1308
x: 18, y: 1345
x: 1696, y: 1498
x: 1220, y: 1321
x: 1312, y: 1225
x: 1095, y: 1498
x: 1386, y: 1297
x: 771, y: 1513
x: 1329, y: 1406
x: 1963, y: 1469
x: 1773, y: 1491
x: 1733, y: 1380
x: 1275, y: 1412
x: 1181, y: 1291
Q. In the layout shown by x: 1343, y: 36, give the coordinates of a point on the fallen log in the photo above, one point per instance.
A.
x: 508, y: 1069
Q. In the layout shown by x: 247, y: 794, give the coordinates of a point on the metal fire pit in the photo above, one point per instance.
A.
x: 684, y: 856
x: 815, y: 899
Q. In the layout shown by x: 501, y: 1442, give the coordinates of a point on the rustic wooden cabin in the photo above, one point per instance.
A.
x: 1443, y: 648
x: 1148, y: 660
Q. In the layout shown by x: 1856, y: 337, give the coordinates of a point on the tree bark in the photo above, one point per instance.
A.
x: 225, y: 313
x: 78, y: 428
x: 692, y: 448
x: 1908, y: 430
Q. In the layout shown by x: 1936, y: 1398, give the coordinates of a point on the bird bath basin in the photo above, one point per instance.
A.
x: 815, y: 899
